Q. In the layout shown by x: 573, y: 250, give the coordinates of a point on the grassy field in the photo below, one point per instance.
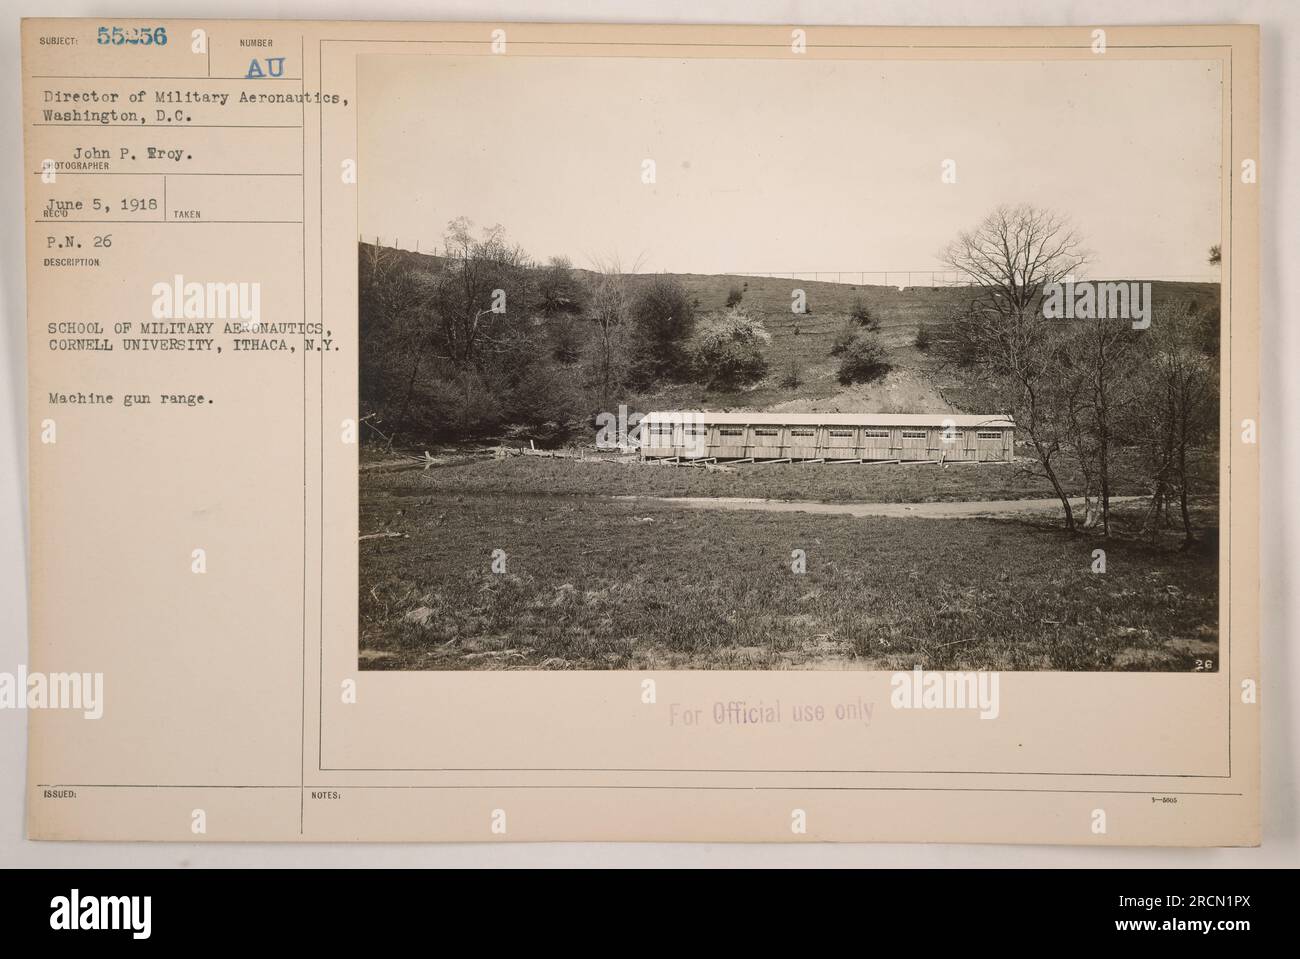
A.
x: 595, y: 583
x: 788, y: 481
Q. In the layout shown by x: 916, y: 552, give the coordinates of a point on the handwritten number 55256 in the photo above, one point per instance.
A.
x: 134, y: 36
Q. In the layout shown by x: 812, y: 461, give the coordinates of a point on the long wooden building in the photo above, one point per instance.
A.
x: 832, y: 437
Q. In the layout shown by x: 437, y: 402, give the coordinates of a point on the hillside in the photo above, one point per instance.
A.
x: 803, y: 342
x: 915, y: 381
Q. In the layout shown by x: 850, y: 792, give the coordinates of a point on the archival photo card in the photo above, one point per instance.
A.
x: 533, y: 432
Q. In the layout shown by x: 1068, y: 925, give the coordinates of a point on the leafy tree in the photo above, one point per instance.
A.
x: 392, y: 326
x: 663, y: 318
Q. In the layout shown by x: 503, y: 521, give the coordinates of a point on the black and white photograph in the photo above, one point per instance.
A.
x: 758, y: 365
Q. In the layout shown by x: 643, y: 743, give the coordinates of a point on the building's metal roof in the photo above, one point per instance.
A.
x: 993, y: 421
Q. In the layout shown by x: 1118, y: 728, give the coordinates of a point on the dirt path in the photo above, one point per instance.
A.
x: 956, y: 510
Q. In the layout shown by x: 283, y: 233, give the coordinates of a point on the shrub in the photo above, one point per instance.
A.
x: 565, y: 339
x: 862, y: 361
x: 734, y: 296
x: 450, y: 404
x: 842, y: 340
x: 922, y: 341
x: 861, y: 315
x: 727, y: 351
x: 559, y: 289
x: 544, y: 407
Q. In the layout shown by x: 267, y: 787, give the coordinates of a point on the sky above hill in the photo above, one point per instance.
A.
x: 795, y: 165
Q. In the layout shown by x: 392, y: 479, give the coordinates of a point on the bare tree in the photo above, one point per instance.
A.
x: 1098, y: 385
x: 1013, y: 253
x: 376, y: 261
x: 1178, y: 412
x: 459, y: 310
x: 609, y: 303
x: 559, y: 290
x: 483, y: 283
x: 1078, y: 438
x: 1012, y: 354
